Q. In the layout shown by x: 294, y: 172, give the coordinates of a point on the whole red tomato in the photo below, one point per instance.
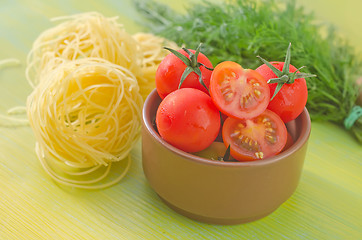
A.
x: 289, y: 102
x: 188, y: 119
x: 288, y: 88
x: 171, y: 69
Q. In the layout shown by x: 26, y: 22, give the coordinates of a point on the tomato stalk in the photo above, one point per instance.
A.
x: 192, y: 65
x: 284, y: 76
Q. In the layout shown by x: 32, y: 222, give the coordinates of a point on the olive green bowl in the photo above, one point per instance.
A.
x: 221, y: 192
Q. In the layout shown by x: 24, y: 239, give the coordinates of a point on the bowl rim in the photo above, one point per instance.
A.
x: 299, y: 143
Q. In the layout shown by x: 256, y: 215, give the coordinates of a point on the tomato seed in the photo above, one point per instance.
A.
x: 235, y: 134
x: 225, y: 91
x: 257, y: 93
x: 229, y: 96
x: 266, y: 120
x: 259, y: 155
x: 269, y: 129
x: 225, y: 85
x: 270, y: 138
x: 245, y: 100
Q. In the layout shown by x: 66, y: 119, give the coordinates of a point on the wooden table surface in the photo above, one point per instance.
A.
x: 326, y: 205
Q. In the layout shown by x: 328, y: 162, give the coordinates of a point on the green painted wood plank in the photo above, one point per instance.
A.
x: 326, y: 205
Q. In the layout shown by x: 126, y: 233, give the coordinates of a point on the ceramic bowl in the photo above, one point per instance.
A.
x: 219, y: 192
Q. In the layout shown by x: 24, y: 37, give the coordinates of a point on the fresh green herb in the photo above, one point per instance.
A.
x: 240, y: 30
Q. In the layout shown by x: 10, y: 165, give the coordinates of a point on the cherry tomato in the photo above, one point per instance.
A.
x: 289, y: 102
x: 188, y: 119
x: 256, y: 138
x: 170, y: 70
x: 238, y: 92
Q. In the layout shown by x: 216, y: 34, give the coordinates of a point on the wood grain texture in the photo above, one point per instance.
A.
x: 326, y: 205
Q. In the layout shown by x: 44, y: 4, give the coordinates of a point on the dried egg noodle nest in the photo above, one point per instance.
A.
x: 93, y: 35
x: 153, y: 53
x: 81, y: 36
x: 86, y: 116
x: 90, y: 78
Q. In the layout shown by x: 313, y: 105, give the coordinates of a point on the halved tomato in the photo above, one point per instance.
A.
x: 238, y: 92
x: 256, y: 138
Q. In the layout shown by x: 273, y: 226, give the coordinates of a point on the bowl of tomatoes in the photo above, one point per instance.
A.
x: 212, y: 162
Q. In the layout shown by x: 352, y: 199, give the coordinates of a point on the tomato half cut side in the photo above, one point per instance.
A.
x: 238, y: 92
x: 257, y: 138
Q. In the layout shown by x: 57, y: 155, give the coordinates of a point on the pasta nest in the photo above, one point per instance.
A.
x: 93, y: 35
x: 90, y: 79
x: 151, y: 47
x: 85, y: 113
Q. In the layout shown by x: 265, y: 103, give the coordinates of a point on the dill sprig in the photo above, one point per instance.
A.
x: 240, y: 30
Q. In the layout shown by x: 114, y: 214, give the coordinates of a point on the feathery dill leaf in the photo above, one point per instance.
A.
x: 240, y: 30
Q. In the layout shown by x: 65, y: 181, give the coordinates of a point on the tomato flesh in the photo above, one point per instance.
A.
x: 188, y: 119
x: 238, y: 92
x: 256, y: 138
